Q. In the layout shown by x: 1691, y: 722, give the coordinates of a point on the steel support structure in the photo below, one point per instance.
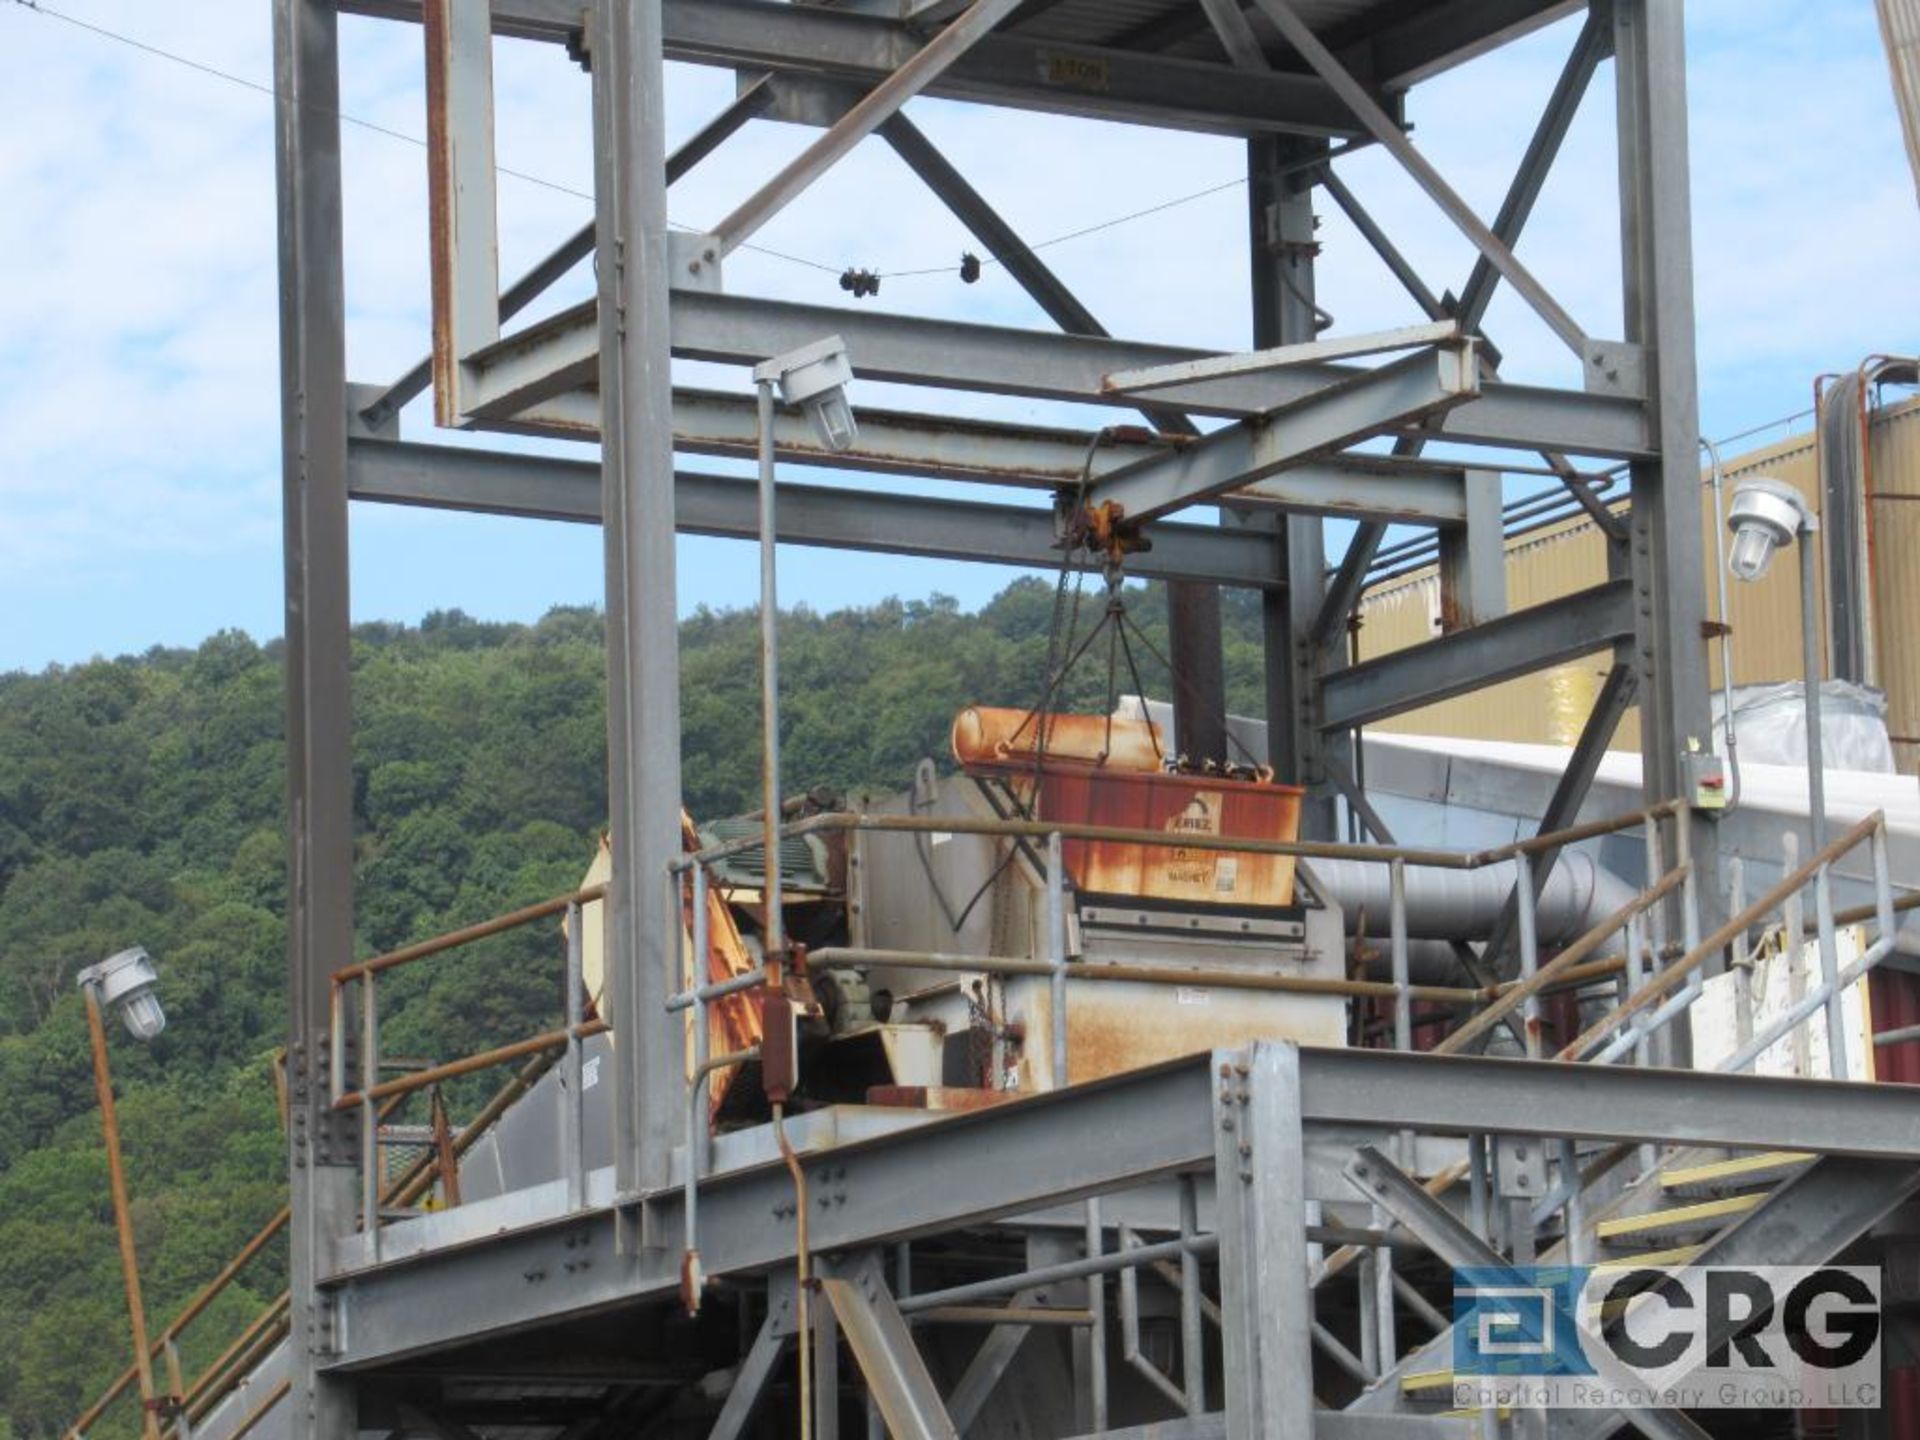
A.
x: 1262, y: 1128
x: 323, y: 1144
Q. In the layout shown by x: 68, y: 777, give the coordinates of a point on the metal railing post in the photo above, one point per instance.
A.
x: 697, y: 1137
x: 1794, y: 952
x: 1057, y: 953
x: 370, y: 1111
x: 1830, y: 974
x: 1402, y: 976
x: 1193, y: 1368
x: 1742, y: 959
x: 1097, y: 1303
x: 1529, y: 947
x: 573, y: 1128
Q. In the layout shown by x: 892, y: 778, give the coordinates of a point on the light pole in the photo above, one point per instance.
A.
x: 125, y: 983
x: 1767, y: 514
x: 814, y: 377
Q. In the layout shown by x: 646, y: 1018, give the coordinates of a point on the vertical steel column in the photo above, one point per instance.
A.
x: 1266, y: 1308
x: 1282, y: 245
x: 643, y: 656
x: 313, y: 420
x: 1670, y: 648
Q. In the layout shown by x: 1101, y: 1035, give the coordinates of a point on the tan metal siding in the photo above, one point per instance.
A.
x: 1549, y: 708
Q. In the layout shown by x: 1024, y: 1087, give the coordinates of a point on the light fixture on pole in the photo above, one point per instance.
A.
x: 1766, y: 514
x: 815, y: 378
x: 125, y: 984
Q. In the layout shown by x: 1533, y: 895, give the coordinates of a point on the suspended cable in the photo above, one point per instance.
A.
x: 970, y: 265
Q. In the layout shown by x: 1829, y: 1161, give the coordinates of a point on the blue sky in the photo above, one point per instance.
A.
x: 138, y: 358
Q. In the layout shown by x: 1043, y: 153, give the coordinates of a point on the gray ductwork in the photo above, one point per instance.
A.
x: 1449, y: 905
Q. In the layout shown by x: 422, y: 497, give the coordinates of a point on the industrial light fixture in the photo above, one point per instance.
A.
x: 125, y: 984
x: 815, y: 378
x: 1766, y: 514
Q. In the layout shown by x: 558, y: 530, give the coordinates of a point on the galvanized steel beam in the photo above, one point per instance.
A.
x: 757, y: 36
x: 939, y: 447
x: 558, y: 355
x: 643, y: 644
x: 1259, y: 1182
x: 539, y: 487
x: 1517, y: 644
x: 1404, y: 392
x: 1387, y: 130
x: 1667, y: 543
x: 914, y: 74
x: 322, y: 1143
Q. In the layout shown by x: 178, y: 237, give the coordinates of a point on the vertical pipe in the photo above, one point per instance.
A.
x: 1193, y: 1368
x: 1810, y: 665
x: 1654, y: 932
x: 1883, y: 882
x: 1579, y: 1242
x: 1837, y: 1065
x: 1529, y: 947
x: 700, y: 1142
x: 1097, y: 1303
x: 336, y: 1042
x: 1794, y: 953
x: 1402, y: 980
x: 122, y: 1219
x: 370, y: 1112
x: 772, y: 927
x: 1367, y: 1278
x: 1742, y: 957
x: 1636, y: 977
x: 177, y: 1388
x: 1057, y: 954
x: 1477, y: 1213
x: 573, y: 1129
x: 699, y: 1108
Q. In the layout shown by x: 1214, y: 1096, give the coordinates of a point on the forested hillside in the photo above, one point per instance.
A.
x: 141, y: 802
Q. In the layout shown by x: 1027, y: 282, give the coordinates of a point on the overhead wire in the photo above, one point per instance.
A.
x: 374, y: 127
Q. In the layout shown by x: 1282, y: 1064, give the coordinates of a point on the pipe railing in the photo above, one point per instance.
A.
x: 220, y: 1375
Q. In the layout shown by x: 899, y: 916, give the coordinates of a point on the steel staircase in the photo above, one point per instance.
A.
x: 1692, y: 1207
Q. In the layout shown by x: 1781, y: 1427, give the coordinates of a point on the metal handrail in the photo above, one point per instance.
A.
x: 467, y: 935
x: 847, y: 820
x: 1657, y: 987
x: 203, y: 1391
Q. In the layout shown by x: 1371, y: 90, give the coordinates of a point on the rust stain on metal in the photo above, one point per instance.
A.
x: 440, y: 207
x: 1119, y: 1028
x: 939, y: 1097
x: 987, y: 737
x: 1108, y: 772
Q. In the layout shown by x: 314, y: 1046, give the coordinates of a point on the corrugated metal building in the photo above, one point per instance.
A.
x: 1550, y: 707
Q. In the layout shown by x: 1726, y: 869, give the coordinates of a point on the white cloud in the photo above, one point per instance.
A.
x: 138, y: 354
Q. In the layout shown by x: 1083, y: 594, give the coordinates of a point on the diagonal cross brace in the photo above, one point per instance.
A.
x: 1401, y: 1196
x: 928, y: 64
x: 1426, y: 383
x: 1393, y: 139
x: 896, y: 1375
